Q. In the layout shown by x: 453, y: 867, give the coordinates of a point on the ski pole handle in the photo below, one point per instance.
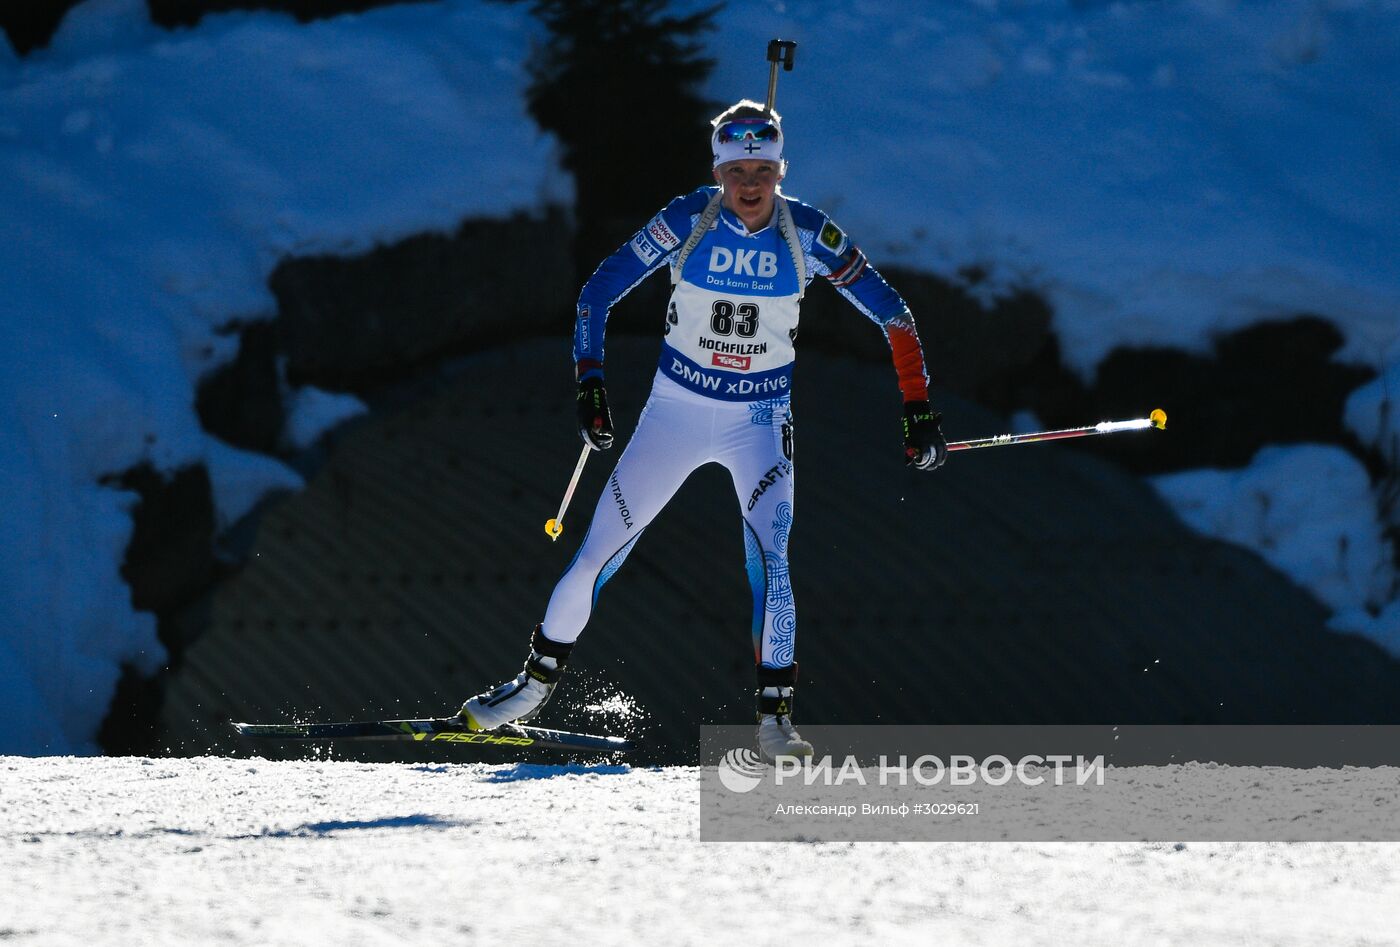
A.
x: 779, y: 51
x: 1157, y: 419
x: 555, y: 527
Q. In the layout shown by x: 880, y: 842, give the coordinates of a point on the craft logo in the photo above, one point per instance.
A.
x: 662, y: 234
x: 740, y: 770
x: 739, y: 363
x: 769, y: 479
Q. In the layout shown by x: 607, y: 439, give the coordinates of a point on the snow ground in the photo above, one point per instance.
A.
x: 209, y: 850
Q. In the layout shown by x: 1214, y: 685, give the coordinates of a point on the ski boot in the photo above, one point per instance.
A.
x: 776, y: 736
x: 524, y: 696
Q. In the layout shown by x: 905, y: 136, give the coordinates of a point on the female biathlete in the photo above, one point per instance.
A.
x: 740, y: 256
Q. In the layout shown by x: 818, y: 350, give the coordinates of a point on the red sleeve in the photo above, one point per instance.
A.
x: 908, y: 357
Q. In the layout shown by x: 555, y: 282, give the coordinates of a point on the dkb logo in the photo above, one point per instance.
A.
x: 741, y: 262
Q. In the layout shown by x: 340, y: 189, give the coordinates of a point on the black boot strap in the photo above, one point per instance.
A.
x: 551, y: 649
x: 535, y: 668
x: 776, y: 677
x: 781, y: 706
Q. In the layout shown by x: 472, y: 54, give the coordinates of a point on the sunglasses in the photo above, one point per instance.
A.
x: 747, y: 129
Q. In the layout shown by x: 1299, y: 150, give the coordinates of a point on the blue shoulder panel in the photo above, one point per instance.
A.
x: 835, y: 256
x: 631, y: 263
x: 844, y: 265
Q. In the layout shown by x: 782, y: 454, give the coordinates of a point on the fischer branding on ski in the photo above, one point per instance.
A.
x: 437, y: 730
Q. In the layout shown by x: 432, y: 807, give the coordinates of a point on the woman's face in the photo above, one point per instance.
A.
x: 749, y: 186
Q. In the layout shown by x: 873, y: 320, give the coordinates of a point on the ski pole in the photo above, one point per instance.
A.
x: 779, y: 51
x: 1157, y: 419
x: 555, y: 527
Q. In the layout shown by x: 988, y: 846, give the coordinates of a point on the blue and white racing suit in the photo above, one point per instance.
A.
x: 722, y: 391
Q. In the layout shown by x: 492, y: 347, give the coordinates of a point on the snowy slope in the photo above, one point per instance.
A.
x: 127, y: 851
x: 1308, y: 511
x: 150, y: 181
x: 1160, y: 170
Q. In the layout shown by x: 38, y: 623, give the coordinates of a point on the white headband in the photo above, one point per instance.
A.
x: 740, y: 149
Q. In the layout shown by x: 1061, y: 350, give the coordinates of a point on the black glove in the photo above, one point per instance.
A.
x: 594, y: 419
x: 924, y: 446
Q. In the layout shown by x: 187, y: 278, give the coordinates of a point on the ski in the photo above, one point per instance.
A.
x: 438, y: 730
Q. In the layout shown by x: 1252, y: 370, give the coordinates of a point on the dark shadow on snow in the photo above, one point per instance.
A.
x: 309, y: 829
x: 521, y: 771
